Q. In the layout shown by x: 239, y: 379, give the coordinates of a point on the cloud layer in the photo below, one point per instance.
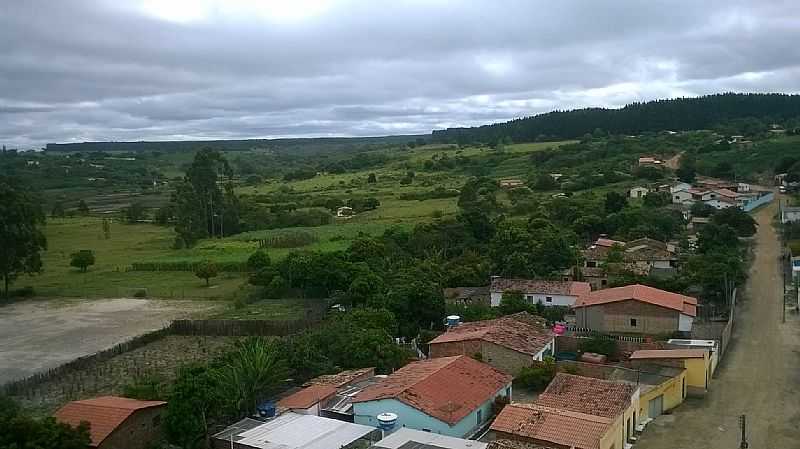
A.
x: 149, y: 70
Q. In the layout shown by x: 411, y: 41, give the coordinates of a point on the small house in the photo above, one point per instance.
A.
x: 697, y: 363
x: 648, y: 161
x: 575, y: 412
x: 679, y: 187
x: 790, y: 214
x: 682, y: 197
x: 452, y: 396
x: 295, y: 431
x: 511, y: 183
x: 547, y: 293
x: 345, y: 212
x: 467, y: 295
x: 700, y: 194
x: 509, y: 343
x: 116, y: 422
x: 636, y: 309
x: 638, y: 192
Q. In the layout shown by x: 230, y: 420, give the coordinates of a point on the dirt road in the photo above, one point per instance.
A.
x: 36, y: 335
x: 760, y: 376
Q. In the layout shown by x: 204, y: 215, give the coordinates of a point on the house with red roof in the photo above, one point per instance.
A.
x: 547, y: 293
x: 452, y: 396
x: 508, y: 343
x: 574, y: 412
x: 635, y: 309
x: 116, y: 422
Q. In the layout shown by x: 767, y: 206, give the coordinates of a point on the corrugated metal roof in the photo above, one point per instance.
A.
x: 295, y: 431
x: 406, y: 438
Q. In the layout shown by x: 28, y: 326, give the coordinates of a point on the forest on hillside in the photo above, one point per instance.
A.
x: 741, y: 112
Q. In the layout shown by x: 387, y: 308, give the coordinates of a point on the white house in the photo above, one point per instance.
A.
x: 743, y: 187
x: 790, y: 214
x: 719, y: 204
x: 638, y: 192
x: 682, y: 197
x: 680, y: 186
x: 548, y: 293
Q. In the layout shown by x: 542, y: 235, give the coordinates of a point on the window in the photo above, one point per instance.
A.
x: 480, y: 416
x: 426, y: 430
x: 604, y: 282
x: 684, y: 387
x: 633, y: 322
x: 549, y: 299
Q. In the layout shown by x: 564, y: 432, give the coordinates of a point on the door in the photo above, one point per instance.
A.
x: 656, y: 406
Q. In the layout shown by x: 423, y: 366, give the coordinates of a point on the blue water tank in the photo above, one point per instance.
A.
x: 453, y: 320
x: 266, y: 409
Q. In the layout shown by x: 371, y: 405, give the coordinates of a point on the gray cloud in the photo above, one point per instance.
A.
x: 105, y: 70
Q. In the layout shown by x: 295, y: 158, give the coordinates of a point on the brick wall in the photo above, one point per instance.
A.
x: 500, y: 357
x: 139, y: 431
x: 650, y: 319
x: 565, y: 343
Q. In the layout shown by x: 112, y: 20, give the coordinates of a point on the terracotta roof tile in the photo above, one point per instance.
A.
x: 541, y: 287
x: 104, y: 414
x: 516, y: 444
x: 342, y: 378
x: 587, y: 395
x: 447, y: 388
x: 521, y: 332
x: 644, y: 354
x: 560, y: 427
x: 684, y: 304
x: 608, y: 243
x: 308, y: 396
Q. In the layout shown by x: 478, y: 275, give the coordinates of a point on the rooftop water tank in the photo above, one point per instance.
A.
x: 453, y: 320
x: 266, y: 410
x: 386, y: 421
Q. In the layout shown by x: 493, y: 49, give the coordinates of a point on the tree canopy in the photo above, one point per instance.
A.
x: 21, y: 237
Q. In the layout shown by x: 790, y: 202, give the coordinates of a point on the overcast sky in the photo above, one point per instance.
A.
x: 75, y: 70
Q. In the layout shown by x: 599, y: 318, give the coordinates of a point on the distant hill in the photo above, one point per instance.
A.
x: 675, y: 114
x: 294, y: 146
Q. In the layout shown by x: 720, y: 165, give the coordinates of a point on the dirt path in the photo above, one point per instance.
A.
x: 675, y: 161
x: 36, y: 335
x: 760, y: 376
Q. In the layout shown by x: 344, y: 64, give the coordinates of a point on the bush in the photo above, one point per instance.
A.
x: 538, y: 376
x: 206, y: 270
x: 598, y: 345
x: 82, y: 259
x: 258, y: 261
x: 188, y: 265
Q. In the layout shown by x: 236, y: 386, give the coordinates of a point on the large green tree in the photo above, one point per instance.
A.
x: 21, y: 431
x: 21, y: 237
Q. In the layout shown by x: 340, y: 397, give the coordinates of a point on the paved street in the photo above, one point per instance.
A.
x: 760, y: 376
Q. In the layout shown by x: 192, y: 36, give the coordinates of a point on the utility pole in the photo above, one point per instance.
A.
x: 743, y: 425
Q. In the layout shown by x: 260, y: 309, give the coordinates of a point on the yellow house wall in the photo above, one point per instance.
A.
x: 698, y: 372
x: 616, y: 436
x: 611, y: 439
x: 672, y: 391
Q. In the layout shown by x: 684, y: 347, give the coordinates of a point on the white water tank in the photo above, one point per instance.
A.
x: 387, y: 421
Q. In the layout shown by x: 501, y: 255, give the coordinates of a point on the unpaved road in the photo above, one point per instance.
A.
x: 37, y: 335
x: 760, y: 376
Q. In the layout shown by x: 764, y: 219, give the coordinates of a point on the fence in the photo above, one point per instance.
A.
x: 588, y: 333
x: 760, y: 201
x: 213, y: 328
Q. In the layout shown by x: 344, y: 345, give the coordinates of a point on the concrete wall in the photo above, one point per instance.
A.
x: 555, y: 300
x: 407, y: 416
x: 616, y: 318
x: 139, y: 431
x: 758, y: 202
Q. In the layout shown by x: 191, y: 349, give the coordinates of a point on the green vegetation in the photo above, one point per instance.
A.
x: 21, y: 237
x: 19, y: 430
x: 82, y: 259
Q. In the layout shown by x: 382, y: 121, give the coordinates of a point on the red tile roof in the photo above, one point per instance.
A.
x: 587, y: 395
x: 541, y: 287
x: 307, y: 397
x: 447, y: 388
x: 561, y: 427
x: 668, y: 354
x: 342, y: 378
x: 104, y: 414
x: 726, y: 193
x: 521, y: 332
x: 642, y: 293
x: 608, y: 243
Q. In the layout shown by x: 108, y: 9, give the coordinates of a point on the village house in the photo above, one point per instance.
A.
x: 635, y: 309
x: 547, y: 293
x: 451, y: 396
x: 647, y: 161
x: 509, y: 343
x: 511, y: 183
x: 574, y: 411
x: 682, y: 197
x: 699, y: 194
x: 116, y: 422
x: 330, y: 395
x: 790, y: 214
x: 697, y: 363
x: 638, y: 192
x: 295, y: 431
x: 643, y: 256
x: 679, y: 187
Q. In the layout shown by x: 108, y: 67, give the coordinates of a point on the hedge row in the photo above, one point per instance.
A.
x: 237, y: 267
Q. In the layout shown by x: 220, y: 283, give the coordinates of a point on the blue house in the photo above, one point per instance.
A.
x: 449, y: 395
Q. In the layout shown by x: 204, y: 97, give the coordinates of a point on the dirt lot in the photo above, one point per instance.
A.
x: 759, y: 376
x: 36, y: 335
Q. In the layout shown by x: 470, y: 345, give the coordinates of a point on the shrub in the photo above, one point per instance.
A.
x: 82, y: 259
x: 598, y: 345
x: 538, y: 376
x: 258, y: 261
x: 206, y: 270
x: 188, y: 265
